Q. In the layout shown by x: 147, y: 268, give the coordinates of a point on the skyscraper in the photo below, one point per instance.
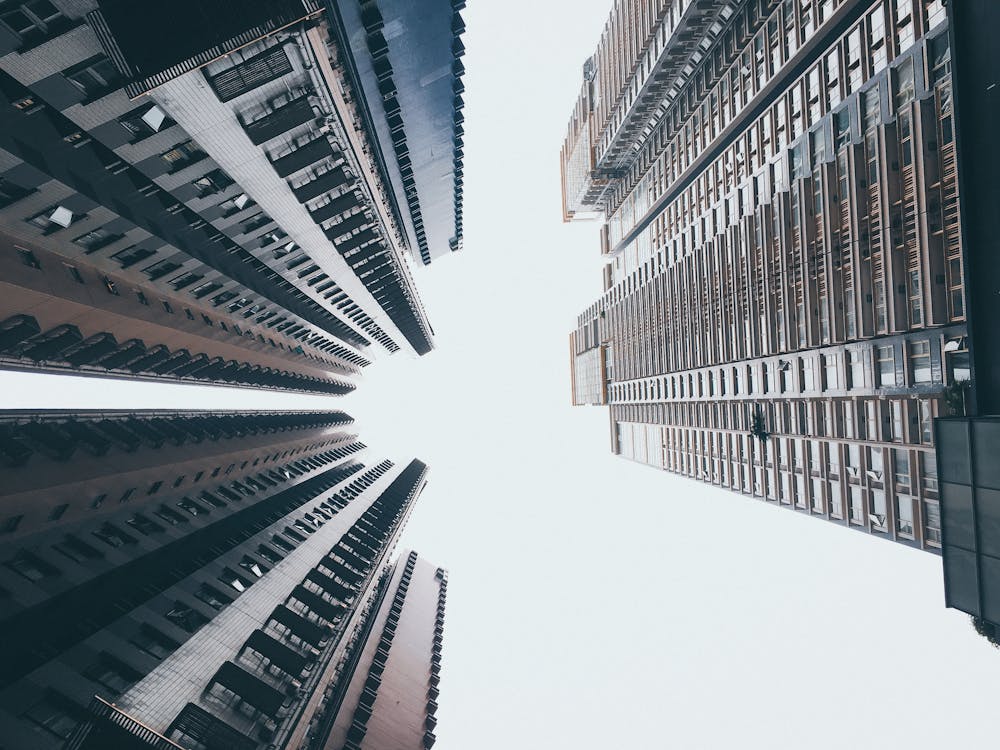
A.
x: 227, y: 193
x: 221, y: 598
x: 784, y: 310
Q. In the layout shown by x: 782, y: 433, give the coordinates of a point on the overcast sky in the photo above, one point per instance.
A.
x: 593, y: 602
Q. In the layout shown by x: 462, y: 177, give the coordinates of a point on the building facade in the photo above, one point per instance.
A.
x: 785, y: 309
x: 215, y: 600
x: 390, y: 700
x: 233, y: 198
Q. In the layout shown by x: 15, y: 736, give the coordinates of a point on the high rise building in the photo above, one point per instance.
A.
x: 785, y: 308
x: 968, y: 445
x: 224, y: 192
x: 208, y: 580
x: 390, y: 698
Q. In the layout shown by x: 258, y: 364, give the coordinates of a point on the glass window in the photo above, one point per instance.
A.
x: 932, y: 522
x: 185, y: 617
x: 878, y: 514
x: 857, y: 513
x: 95, y: 239
x: 212, y: 182
x: 54, y: 218
x: 153, y: 642
x: 182, y: 155
x: 28, y: 258
x: 885, y: 361
x: 145, y: 121
x: 920, y: 361
x: 904, y: 515
x: 132, y: 255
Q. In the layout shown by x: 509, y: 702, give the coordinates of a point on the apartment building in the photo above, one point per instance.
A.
x: 234, y: 199
x: 785, y: 307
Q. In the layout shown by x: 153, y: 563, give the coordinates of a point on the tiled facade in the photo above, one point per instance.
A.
x: 390, y: 700
x: 222, y: 208
x: 785, y: 308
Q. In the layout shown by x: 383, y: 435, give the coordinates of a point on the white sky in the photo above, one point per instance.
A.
x: 593, y: 602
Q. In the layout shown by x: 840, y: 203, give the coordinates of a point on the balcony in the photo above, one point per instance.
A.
x: 280, y: 116
x: 51, y: 343
x: 250, y: 688
x: 336, y: 206
x: 322, y: 183
x: 17, y: 329
x: 302, y: 156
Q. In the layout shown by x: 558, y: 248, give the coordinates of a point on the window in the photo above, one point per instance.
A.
x: 901, y: 459
x: 145, y: 121
x: 856, y: 369
x: 74, y: 273
x: 205, y: 289
x: 254, y: 567
x: 904, y: 515
x: 231, y: 578
x: 830, y: 371
x: 191, y: 507
x: 144, y: 525
x: 98, y: 501
x: 110, y: 285
x: 857, y: 513
x: 153, y: 642
x: 160, y: 269
x: 167, y: 307
x: 878, y: 510
x: 54, y: 218
x: 925, y: 413
x: 886, y: 365
x: 213, y: 182
x: 184, y: 280
x: 269, y: 554
x: 170, y: 515
x: 212, y: 596
x: 920, y: 361
x: 185, y: 617
x: 132, y: 255
x: 94, y: 77
x: 28, y: 258
x: 256, y: 221
x: 183, y: 155
x: 113, y: 536
x: 31, y: 566
x: 55, y: 714
x: 34, y: 21
x: 94, y: 240
x: 236, y: 204
x: 141, y: 298
x: 932, y: 522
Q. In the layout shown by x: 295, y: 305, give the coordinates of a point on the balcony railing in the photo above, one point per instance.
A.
x: 279, y: 117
